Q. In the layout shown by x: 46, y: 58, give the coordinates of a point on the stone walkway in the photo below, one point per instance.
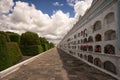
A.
x: 57, y: 65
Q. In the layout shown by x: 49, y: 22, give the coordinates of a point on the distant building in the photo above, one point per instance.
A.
x: 95, y: 38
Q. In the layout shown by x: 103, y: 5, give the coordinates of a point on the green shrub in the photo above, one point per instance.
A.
x: 41, y: 49
x: 29, y: 38
x: 31, y: 50
x: 2, y: 40
x: 14, y: 37
x: 51, y: 45
x: 5, y: 35
x: 14, y: 52
x: 9, y: 54
x: 47, y: 46
x: 4, y: 58
x: 3, y: 53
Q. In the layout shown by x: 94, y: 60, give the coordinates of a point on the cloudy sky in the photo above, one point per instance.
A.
x: 49, y: 18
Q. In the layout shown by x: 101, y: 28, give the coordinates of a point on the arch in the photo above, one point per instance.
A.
x: 98, y: 37
x: 90, y: 48
x: 78, y: 41
x: 98, y: 62
x: 78, y: 54
x: 97, y: 26
x: 84, y: 48
x: 110, y: 67
x: 85, y: 33
x: 110, y: 35
x: 82, y: 41
x: 82, y: 33
x: 85, y: 40
x: 85, y: 57
x: 109, y: 18
x: 109, y: 49
x: 75, y: 36
x: 78, y: 47
x: 90, y: 58
x: 79, y: 34
x: 97, y: 48
x: 81, y: 56
x: 90, y: 39
x: 81, y: 47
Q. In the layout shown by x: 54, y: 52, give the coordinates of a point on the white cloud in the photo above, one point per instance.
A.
x: 72, y: 2
x: 28, y: 18
x: 57, y: 4
x: 81, y: 7
x: 5, y: 6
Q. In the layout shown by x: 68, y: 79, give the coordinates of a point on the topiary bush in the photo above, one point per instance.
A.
x: 41, y: 49
x: 31, y: 50
x: 3, y: 54
x: 10, y: 53
x: 29, y: 38
x: 2, y: 40
x: 51, y: 45
x: 47, y: 47
x: 30, y: 44
x: 5, y: 35
x: 14, y: 37
x: 14, y: 52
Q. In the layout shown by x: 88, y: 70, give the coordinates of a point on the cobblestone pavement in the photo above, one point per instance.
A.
x: 57, y: 65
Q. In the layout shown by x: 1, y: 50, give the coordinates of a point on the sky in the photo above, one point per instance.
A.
x: 49, y: 18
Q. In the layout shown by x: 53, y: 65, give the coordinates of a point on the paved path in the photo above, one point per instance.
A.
x: 57, y: 65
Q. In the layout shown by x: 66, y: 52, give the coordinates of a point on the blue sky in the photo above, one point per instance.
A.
x: 47, y: 7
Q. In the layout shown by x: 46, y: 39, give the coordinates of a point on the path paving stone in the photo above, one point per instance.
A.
x: 57, y: 65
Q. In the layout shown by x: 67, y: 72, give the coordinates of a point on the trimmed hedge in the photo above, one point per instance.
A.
x: 3, y: 54
x: 14, y: 52
x: 5, y: 35
x: 47, y: 46
x: 2, y: 40
x: 31, y: 50
x: 14, y: 37
x: 10, y: 54
x: 29, y: 38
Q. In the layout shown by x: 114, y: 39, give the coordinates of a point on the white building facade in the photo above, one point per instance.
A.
x: 95, y: 38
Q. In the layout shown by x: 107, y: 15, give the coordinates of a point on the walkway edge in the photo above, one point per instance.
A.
x: 16, y: 67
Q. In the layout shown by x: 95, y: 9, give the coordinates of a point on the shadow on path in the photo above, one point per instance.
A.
x: 78, y: 70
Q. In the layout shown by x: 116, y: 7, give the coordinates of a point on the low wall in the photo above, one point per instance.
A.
x: 16, y: 67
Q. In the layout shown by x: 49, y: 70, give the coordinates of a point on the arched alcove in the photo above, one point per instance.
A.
x: 90, y: 39
x: 97, y: 48
x: 98, y: 37
x: 109, y: 49
x: 110, y: 35
x: 90, y: 58
x: 97, y: 26
x: 110, y: 67
x: 109, y: 18
x: 97, y: 62
x: 90, y: 48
